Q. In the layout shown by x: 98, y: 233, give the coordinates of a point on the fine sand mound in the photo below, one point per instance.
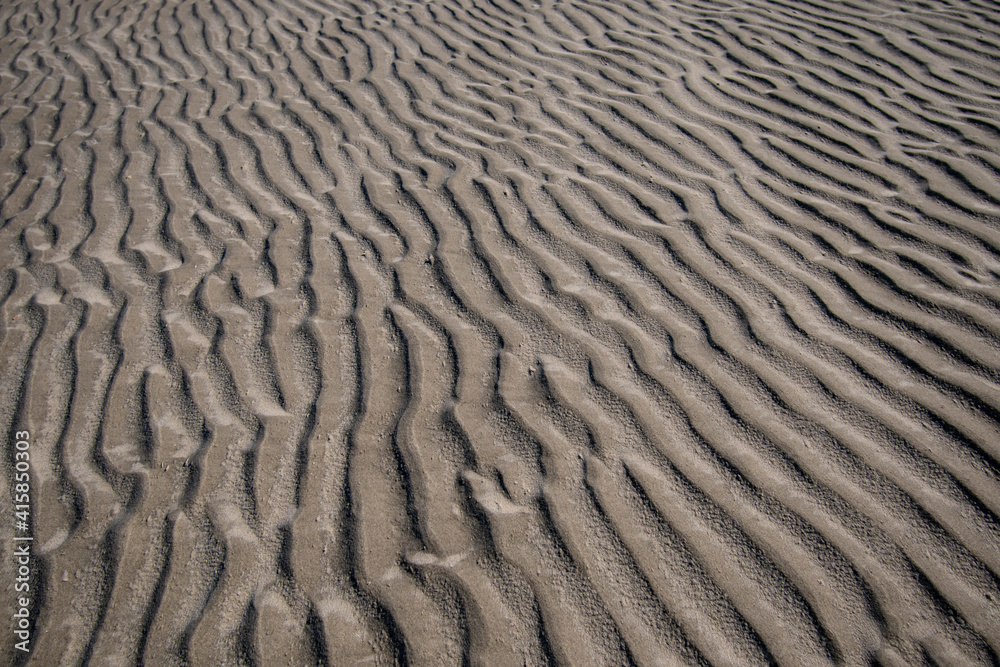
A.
x: 483, y: 332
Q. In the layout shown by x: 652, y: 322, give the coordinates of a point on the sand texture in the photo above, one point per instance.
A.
x: 481, y: 332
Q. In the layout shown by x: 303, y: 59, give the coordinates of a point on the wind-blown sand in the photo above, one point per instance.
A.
x: 477, y: 332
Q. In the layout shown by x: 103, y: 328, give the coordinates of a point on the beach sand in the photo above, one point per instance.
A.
x: 486, y: 332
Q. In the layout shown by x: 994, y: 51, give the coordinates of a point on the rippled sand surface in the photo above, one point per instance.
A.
x: 479, y: 332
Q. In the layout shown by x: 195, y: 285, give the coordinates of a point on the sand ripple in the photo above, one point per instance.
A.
x: 488, y: 332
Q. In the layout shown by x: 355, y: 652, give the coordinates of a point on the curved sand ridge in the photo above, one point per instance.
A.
x: 483, y: 332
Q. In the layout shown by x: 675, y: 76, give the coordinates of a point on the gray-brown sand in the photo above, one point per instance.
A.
x: 481, y: 332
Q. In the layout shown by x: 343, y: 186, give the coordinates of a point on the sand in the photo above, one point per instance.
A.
x: 483, y: 332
